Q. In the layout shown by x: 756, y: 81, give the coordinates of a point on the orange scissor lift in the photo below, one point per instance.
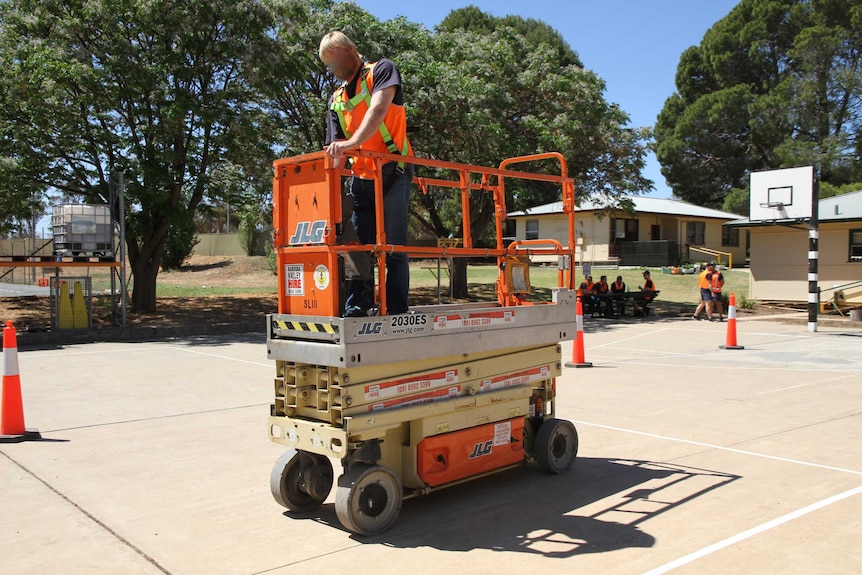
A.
x: 413, y: 402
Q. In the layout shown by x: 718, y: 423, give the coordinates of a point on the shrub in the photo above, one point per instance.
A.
x: 271, y: 259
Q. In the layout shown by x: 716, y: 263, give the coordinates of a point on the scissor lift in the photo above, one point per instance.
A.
x: 413, y: 402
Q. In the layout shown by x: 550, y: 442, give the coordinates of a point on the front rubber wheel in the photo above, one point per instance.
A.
x: 368, y: 499
x: 301, y: 481
x: 556, y: 445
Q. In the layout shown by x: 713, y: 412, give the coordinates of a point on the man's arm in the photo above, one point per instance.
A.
x: 380, y: 102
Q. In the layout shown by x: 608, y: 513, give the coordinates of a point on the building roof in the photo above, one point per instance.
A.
x: 642, y: 204
x: 840, y: 208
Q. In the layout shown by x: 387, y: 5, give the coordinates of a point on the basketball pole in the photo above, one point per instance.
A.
x: 813, y: 253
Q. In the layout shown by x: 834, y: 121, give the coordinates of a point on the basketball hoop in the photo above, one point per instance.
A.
x: 781, y: 194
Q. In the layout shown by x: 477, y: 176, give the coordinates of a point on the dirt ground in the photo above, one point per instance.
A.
x: 184, y: 300
x: 191, y: 305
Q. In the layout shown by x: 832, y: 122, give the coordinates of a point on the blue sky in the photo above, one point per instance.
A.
x: 634, y: 45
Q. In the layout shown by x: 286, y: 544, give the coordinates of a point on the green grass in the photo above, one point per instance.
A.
x: 679, y: 293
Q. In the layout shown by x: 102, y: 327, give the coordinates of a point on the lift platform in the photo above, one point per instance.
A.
x: 413, y: 402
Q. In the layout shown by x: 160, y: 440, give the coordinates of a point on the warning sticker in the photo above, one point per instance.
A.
x: 410, y: 384
x: 321, y: 277
x: 476, y: 319
x: 417, y: 399
x: 502, y: 433
x: 513, y: 379
x: 293, y: 280
x: 490, y: 318
x: 448, y: 321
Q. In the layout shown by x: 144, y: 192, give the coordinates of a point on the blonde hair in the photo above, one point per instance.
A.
x: 336, y: 39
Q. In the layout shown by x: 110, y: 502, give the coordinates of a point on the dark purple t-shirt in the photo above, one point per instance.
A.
x: 385, y: 75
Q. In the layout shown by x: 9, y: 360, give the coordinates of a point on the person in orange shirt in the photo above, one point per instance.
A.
x: 618, y: 291
x: 705, y: 293
x: 589, y: 297
x: 601, y: 291
x: 648, y: 292
x: 715, y: 279
x: 367, y: 112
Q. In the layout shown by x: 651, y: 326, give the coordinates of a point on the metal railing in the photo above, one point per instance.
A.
x: 838, y: 293
x: 715, y: 253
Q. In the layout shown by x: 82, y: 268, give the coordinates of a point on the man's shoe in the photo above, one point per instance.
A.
x: 695, y: 317
x: 355, y: 311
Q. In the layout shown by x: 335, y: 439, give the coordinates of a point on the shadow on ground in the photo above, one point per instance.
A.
x: 600, y: 505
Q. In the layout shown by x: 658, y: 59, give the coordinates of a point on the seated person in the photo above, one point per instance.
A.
x: 647, y: 295
x: 601, y: 292
x: 588, y: 297
x: 618, y: 295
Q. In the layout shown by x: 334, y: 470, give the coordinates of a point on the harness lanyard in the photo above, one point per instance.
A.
x: 339, y: 106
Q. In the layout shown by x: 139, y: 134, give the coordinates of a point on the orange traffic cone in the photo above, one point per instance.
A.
x: 12, y: 428
x: 578, y: 344
x: 730, y: 342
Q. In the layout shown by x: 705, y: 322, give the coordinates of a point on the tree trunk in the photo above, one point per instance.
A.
x: 145, y: 259
x: 458, y: 277
x: 144, y: 292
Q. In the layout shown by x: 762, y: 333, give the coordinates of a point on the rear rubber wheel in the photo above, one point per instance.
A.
x: 368, y: 499
x: 301, y: 481
x: 556, y: 445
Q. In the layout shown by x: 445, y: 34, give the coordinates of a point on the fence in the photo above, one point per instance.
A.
x: 655, y: 253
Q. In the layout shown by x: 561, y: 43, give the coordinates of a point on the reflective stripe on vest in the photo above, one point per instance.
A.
x: 342, y: 104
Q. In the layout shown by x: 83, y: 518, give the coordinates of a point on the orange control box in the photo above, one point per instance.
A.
x: 309, y: 284
x: 306, y: 210
x: 459, y: 454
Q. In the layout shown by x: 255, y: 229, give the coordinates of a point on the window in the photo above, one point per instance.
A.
x: 729, y: 237
x: 695, y: 233
x: 856, y: 245
x: 622, y: 229
x: 532, y: 230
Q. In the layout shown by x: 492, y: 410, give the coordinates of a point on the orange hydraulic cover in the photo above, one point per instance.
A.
x: 452, y: 456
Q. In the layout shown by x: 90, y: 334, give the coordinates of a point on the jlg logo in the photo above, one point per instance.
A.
x: 482, y: 448
x: 370, y: 328
x: 308, y: 233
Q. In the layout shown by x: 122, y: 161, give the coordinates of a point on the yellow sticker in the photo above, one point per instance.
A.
x: 321, y: 277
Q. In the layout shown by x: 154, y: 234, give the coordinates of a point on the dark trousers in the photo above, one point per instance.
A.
x: 396, y: 201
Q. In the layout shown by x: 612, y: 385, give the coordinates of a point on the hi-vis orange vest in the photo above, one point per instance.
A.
x: 701, y: 281
x: 390, y: 137
x: 716, y: 282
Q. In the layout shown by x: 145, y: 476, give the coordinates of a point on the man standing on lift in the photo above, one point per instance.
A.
x: 367, y: 112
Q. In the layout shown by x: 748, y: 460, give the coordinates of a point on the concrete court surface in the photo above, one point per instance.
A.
x: 692, y: 460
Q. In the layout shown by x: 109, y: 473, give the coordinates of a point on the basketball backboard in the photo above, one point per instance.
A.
x: 781, y: 194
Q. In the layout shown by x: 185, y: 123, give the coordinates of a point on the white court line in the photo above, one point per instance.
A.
x: 720, y: 447
x: 66, y: 353
x: 222, y: 356
x: 742, y: 367
x: 765, y: 334
x: 669, y: 353
x: 151, y: 347
x: 845, y: 376
x: 752, y: 532
x: 628, y: 338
